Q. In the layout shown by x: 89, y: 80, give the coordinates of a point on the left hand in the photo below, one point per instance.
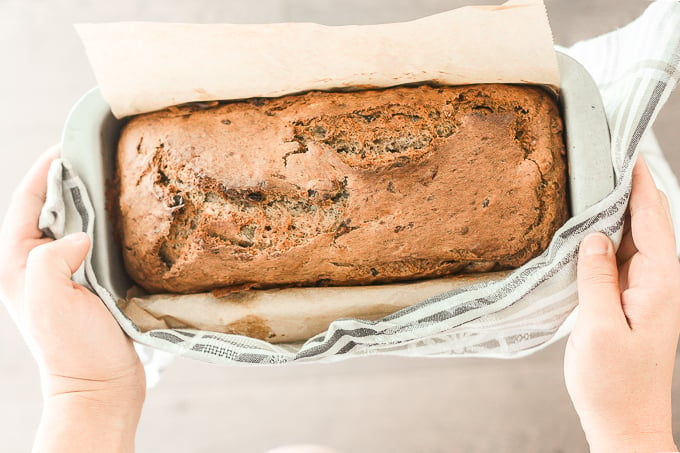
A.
x: 79, y: 347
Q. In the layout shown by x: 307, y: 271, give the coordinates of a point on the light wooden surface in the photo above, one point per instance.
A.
x: 378, y: 404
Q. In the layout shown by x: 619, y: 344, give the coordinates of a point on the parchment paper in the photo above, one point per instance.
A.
x: 285, y: 315
x: 141, y: 67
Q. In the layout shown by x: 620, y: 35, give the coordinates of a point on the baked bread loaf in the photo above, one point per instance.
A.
x: 329, y: 188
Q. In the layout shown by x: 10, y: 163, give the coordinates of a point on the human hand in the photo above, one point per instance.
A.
x: 86, y: 362
x: 619, y: 359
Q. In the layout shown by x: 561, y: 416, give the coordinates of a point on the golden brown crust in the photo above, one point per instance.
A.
x: 341, y: 188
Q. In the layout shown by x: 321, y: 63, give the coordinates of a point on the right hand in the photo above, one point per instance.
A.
x: 619, y: 359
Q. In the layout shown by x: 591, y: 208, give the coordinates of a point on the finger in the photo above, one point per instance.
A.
x: 52, y: 264
x: 652, y: 231
x: 21, y: 219
x: 598, y: 281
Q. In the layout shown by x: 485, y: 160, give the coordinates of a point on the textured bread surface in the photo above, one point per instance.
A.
x: 340, y: 188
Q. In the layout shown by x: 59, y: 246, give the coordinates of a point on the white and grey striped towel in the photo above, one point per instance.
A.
x: 635, y: 67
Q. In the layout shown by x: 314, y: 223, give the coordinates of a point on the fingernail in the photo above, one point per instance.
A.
x: 76, y: 237
x: 596, y: 244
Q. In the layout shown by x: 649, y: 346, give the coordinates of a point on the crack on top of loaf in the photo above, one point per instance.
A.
x: 380, y: 137
x: 154, y: 163
x: 522, y: 133
x: 301, y: 149
x: 184, y: 221
x: 162, y: 178
x: 266, y: 221
x: 528, y: 143
x: 483, y: 108
x: 542, y: 202
x: 344, y: 228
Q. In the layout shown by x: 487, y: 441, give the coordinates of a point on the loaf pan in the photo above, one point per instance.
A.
x: 91, y: 135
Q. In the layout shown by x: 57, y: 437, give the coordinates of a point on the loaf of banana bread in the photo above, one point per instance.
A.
x: 340, y: 188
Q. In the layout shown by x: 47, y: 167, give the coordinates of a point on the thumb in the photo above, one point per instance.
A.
x: 599, y: 295
x: 56, y: 261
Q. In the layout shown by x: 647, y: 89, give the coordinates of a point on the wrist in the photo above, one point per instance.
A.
x: 110, y: 401
x: 643, y: 424
x: 87, y: 421
x: 128, y: 390
x: 647, y: 442
x: 120, y: 414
